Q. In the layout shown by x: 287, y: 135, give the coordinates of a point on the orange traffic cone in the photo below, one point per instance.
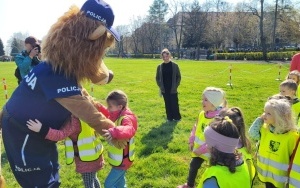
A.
x: 2, y: 180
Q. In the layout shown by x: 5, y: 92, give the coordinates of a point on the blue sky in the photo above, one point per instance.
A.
x: 36, y: 16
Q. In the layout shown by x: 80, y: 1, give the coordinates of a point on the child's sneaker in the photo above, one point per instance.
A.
x: 185, y: 186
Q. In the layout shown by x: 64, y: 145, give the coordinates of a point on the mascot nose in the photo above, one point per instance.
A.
x: 110, y: 76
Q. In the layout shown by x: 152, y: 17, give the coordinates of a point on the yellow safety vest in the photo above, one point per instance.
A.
x: 296, y: 112
x: 294, y: 179
x: 225, y: 178
x: 199, y: 134
x: 115, y: 155
x: 274, y: 155
x: 248, y: 160
x: 89, y: 145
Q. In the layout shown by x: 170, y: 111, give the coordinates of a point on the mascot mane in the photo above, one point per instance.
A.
x: 81, y: 57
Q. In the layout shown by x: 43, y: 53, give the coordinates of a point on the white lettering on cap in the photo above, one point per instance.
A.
x: 94, y: 15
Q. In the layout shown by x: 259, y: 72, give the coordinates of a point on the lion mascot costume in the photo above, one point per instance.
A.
x: 73, y: 52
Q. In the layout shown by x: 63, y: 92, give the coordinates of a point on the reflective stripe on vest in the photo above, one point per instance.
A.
x: 89, y: 146
x: 199, y: 134
x: 269, y: 174
x: 226, y: 179
x: 295, y: 170
x: 132, y: 149
x: 274, y: 155
x: 115, y: 155
x: 272, y: 163
x: 294, y: 182
x: 69, y: 150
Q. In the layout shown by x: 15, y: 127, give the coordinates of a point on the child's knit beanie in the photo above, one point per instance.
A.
x: 216, y: 96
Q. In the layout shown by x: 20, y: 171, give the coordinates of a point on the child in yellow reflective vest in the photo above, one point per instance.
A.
x: 82, y: 145
x: 87, y: 163
x: 126, y: 127
x: 294, y: 168
x: 277, y: 135
x: 213, y: 100
x: 226, y: 169
x: 244, y: 145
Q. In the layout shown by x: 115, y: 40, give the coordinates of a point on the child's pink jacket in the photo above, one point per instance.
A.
x: 126, y: 130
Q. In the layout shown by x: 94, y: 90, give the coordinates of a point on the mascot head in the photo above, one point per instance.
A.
x: 76, y: 43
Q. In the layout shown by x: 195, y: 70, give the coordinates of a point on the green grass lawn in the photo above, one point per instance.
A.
x: 162, y: 156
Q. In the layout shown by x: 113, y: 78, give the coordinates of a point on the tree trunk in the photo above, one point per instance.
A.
x: 261, y: 28
x: 275, y: 25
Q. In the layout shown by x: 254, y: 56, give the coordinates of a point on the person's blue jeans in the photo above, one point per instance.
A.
x: 115, y: 179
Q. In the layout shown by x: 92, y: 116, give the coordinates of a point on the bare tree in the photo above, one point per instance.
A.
x: 176, y: 23
x: 123, y: 31
x: 196, y: 24
x: 275, y: 23
x: 244, y: 27
x: 157, y: 13
x: 219, y: 22
x: 260, y: 15
x: 151, y: 35
x: 288, y: 27
x: 137, y: 37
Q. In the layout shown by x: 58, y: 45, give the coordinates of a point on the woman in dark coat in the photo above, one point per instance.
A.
x: 168, y: 79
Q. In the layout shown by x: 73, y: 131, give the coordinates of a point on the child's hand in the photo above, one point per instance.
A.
x: 34, y: 125
x: 107, y: 135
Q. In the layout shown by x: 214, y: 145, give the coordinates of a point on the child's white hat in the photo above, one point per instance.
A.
x: 215, y: 96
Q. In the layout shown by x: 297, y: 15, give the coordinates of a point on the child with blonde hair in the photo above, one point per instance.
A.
x: 244, y: 145
x: 213, y: 100
x: 295, y: 75
x: 226, y: 168
x: 277, y: 134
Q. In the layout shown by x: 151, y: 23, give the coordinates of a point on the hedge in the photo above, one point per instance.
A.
x: 287, y: 55
x: 146, y: 56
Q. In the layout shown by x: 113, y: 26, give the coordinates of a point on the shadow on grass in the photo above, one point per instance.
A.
x: 157, y: 139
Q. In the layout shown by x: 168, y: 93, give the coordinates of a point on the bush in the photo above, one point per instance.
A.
x: 286, y: 55
x: 138, y: 56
